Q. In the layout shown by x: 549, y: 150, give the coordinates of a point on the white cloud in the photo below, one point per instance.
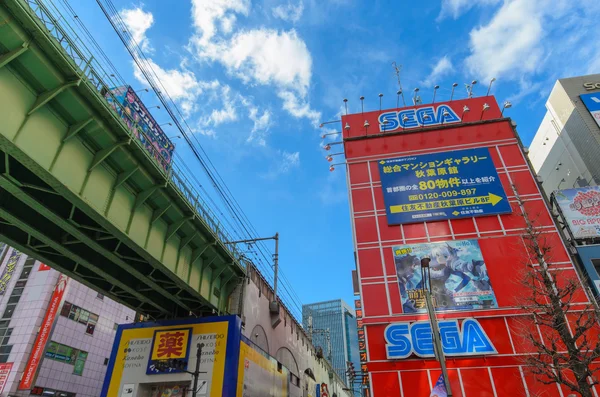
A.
x: 286, y: 161
x: 510, y: 44
x: 205, y: 14
x: 227, y: 113
x: 442, y: 68
x: 138, y: 22
x: 265, y: 57
x: 181, y: 85
x: 455, y: 8
x: 261, y: 126
x: 262, y: 56
x: 289, y: 12
x: 299, y: 108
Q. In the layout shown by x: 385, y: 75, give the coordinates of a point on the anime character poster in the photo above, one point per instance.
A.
x: 458, y: 276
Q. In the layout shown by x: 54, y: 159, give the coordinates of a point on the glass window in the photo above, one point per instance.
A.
x: 14, y: 299
x: 84, y: 315
x: 66, y: 309
x: 72, y: 312
x: 93, y: 319
x: 9, y: 310
x: 20, y: 284
x: 115, y: 326
x: 90, y: 329
x: 100, y: 296
x: 4, y: 358
x: 106, y: 361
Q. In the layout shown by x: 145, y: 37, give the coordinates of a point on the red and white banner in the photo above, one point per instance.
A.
x: 44, y: 334
x: 4, y: 372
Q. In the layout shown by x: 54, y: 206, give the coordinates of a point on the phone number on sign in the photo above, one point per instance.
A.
x: 449, y: 193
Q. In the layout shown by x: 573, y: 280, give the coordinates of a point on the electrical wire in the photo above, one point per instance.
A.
x: 241, y: 227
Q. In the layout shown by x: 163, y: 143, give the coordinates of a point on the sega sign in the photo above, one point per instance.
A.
x: 405, y: 339
x: 413, y: 118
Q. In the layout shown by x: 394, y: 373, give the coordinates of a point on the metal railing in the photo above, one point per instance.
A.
x: 93, y: 74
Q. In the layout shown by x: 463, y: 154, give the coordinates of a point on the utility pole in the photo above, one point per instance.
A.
x: 275, y: 256
x: 435, y: 329
x: 197, y: 372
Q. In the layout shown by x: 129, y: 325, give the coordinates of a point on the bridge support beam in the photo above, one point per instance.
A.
x: 174, y: 227
x: 47, y: 96
x: 75, y: 128
x: 7, y: 58
x: 104, y: 153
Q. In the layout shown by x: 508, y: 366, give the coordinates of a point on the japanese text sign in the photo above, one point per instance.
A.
x: 169, y: 344
x: 581, y: 210
x: 448, y: 185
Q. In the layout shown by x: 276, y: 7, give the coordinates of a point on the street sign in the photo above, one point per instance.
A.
x: 447, y: 185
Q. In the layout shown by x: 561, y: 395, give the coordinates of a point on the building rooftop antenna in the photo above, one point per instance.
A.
x: 397, y: 70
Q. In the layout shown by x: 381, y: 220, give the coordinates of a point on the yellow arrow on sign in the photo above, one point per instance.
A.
x: 449, y: 203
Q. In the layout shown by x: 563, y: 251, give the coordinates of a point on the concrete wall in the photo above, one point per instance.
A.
x: 566, y: 147
x: 287, y: 342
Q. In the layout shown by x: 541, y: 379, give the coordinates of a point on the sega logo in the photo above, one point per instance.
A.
x: 413, y: 118
x: 405, y: 339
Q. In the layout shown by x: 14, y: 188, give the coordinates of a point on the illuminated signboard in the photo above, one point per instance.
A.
x: 592, y: 103
x: 447, y: 185
x: 459, y: 276
x: 581, y: 210
x: 405, y: 339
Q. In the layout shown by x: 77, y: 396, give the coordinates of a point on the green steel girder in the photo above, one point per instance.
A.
x: 64, y: 253
x: 10, y: 188
x: 107, y: 199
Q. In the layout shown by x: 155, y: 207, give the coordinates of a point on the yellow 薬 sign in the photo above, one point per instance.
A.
x: 170, y: 344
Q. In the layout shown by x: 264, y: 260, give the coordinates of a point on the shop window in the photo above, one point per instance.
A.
x: 67, y: 354
x: 82, y: 316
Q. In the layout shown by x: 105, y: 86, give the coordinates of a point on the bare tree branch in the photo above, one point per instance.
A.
x: 568, y: 346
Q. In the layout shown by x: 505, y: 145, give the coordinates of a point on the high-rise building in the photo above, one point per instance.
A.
x: 332, y: 325
x: 56, y: 334
x: 565, y: 151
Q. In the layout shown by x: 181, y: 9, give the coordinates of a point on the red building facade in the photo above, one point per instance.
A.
x: 367, y: 144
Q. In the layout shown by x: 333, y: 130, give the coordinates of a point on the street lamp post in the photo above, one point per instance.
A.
x: 435, y: 329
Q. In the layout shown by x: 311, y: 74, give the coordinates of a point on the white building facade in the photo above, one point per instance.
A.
x: 73, y: 360
x: 565, y: 151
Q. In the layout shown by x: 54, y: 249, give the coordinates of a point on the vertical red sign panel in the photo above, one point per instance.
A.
x: 43, y: 335
x: 4, y: 372
x: 453, y: 218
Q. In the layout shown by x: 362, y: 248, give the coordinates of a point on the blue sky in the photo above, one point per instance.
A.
x: 256, y: 77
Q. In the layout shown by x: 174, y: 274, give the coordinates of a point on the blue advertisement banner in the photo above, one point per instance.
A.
x: 458, y: 276
x: 592, y: 103
x: 448, y: 185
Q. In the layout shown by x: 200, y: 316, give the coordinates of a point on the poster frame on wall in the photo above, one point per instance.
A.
x: 459, y: 264
x: 571, y: 203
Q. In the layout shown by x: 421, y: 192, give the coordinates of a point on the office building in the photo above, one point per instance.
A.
x: 56, y: 334
x: 565, y: 151
x: 332, y: 326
